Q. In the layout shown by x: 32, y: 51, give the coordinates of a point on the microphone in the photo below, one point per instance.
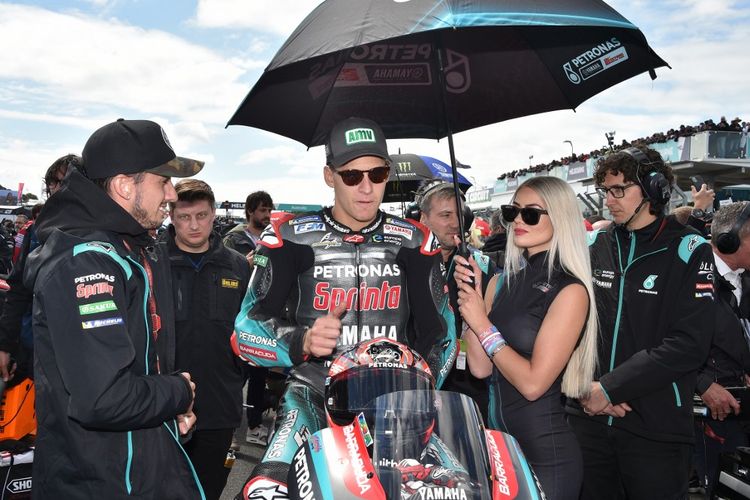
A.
x: 638, y: 209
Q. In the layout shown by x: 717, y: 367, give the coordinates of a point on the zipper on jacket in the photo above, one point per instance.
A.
x: 145, y: 310
x: 623, y: 271
x: 678, y: 400
x: 357, y: 306
x: 129, y: 463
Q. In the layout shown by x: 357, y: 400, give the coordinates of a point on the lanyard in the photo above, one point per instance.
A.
x: 155, y: 318
x: 153, y: 315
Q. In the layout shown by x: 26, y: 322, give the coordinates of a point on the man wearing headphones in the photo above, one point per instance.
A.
x: 728, y: 363
x: 438, y: 210
x: 653, y: 282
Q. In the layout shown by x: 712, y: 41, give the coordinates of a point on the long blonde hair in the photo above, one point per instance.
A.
x: 569, y: 248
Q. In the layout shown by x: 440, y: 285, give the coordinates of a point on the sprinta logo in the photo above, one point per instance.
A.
x: 357, y: 135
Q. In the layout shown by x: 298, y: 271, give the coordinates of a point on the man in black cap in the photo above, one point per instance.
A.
x: 110, y: 412
x: 326, y: 281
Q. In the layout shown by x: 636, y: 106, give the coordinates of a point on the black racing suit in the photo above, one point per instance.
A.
x: 389, y: 274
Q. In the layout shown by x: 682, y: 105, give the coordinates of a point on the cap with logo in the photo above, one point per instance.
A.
x: 133, y: 146
x: 354, y: 137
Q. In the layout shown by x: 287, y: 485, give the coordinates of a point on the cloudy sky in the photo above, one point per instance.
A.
x: 69, y: 66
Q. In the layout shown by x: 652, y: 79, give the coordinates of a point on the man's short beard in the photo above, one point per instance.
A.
x: 141, y: 215
x: 258, y: 224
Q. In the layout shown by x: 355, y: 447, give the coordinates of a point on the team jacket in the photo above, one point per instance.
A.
x: 655, y: 298
x: 389, y: 274
x: 106, y: 425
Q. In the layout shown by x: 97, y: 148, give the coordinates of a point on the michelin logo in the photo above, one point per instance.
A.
x: 99, y: 323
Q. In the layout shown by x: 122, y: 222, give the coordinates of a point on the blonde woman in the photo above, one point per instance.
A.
x: 534, y: 331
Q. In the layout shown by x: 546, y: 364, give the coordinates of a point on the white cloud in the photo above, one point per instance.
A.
x: 279, y: 17
x: 30, y: 158
x: 108, y: 63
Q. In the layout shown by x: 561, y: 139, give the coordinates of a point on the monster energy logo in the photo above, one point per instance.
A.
x: 357, y: 135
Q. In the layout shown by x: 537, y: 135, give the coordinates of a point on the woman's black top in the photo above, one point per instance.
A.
x: 539, y: 426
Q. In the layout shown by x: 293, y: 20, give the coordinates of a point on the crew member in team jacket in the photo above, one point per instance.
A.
x: 331, y: 279
x: 653, y: 282
x: 109, y: 408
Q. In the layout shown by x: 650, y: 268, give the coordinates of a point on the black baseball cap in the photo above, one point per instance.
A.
x: 355, y: 137
x: 133, y: 146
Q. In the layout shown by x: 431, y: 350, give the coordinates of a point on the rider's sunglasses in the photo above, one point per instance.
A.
x: 529, y: 215
x: 354, y: 177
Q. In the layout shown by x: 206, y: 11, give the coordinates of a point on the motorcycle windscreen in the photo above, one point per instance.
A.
x: 429, y: 444
x: 352, y: 392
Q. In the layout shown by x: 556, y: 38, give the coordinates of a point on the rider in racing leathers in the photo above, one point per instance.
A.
x: 332, y: 279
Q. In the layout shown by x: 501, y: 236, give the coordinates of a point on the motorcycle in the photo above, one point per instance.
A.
x: 410, y: 442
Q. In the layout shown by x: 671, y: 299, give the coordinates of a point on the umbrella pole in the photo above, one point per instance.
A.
x: 463, y: 249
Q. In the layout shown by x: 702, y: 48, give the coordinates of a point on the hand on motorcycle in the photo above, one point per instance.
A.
x: 720, y: 401
x: 321, y: 338
x: 470, y: 300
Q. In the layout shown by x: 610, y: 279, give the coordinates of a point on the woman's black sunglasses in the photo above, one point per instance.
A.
x: 354, y: 177
x: 529, y: 215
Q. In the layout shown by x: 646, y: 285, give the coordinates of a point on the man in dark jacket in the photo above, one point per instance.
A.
x: 208, y: 282
x: 110, y: 411
x: 728, y: 363
x: 494, y: 247
x: 654, y: 293
x: 243, y: 239
x: 17, y: 307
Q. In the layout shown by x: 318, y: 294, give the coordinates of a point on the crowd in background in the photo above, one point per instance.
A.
x: 734, y: 146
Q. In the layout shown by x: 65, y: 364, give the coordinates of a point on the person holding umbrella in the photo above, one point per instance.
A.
x: 534, y: 331
x: 332, y: 279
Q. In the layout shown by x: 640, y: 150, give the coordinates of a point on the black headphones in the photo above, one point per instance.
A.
x: 414, y: 212
x: 728, y: 243
x: 654, y: 185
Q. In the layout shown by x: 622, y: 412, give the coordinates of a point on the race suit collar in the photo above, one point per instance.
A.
x: 328, y: 217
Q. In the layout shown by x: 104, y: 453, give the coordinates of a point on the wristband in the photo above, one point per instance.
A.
x: 492, y: 341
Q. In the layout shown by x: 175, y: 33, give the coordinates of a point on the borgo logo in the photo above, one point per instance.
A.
x: 20, y: 485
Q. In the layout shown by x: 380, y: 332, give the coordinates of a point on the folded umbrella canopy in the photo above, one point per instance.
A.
x: 429, y: 68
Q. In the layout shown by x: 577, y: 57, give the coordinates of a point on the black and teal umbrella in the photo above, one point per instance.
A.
x: 431, y: 68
